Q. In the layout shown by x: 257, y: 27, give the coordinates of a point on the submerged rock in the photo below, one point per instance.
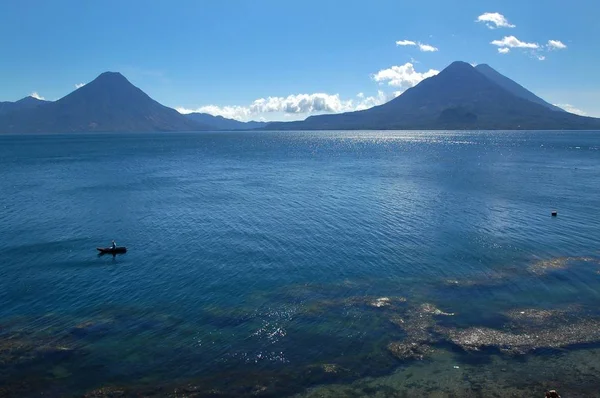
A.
x: 327, y: 368
x: 331, y: 368
x: 409, y: 350
x: 542, y: 318
x: 259, y: 389
x: 323, y: 306
x: 24, y: 350
x: 16, y: 349
x: 474, y: 339
x: 88, y: 328
x: 534, y: 314
x: 431, y: 309
x: 106, y: 392
x: 380, y: 302
x: 554, y: 336
x: 376, y: 302
x: 544, y: 266
x: 415, y: 326
x: 54, y: 352
x: 417, y: 323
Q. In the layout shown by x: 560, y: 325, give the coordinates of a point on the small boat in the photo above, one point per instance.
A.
x: 110, y: 250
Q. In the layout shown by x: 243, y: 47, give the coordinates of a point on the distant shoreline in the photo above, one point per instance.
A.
x: 285, y: 131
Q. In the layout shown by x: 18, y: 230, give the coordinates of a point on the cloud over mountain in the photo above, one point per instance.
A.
x: 293, y: 105
x: 403, y: 76
x: 36, y: 96
x: 570, y: 108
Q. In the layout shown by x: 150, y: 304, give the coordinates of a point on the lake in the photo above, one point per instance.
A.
x: 341, y: 264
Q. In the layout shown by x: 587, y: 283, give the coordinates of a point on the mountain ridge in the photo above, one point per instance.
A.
x: 109, y: 103
x: 458, y: 98
x: 24, y: 103
x: 513, y: 86
x: 223, y: 123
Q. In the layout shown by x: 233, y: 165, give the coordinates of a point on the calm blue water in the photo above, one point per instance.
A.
x: 246, y: 248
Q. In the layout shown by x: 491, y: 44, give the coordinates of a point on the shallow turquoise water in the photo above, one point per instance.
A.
x: 245, y: 249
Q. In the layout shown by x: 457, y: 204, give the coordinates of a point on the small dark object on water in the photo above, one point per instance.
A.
x: 552, y: 394
x: 554, y: 213
x: 111, y: 250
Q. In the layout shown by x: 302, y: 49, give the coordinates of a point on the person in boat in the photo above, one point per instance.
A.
x: 114, y: 245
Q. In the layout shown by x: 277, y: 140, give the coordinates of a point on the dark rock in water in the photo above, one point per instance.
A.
x: 490, y: 278
x: 417, y: 324
x: 534, y: 314
x: 326, y: 372
x: 12, y: 348
x: 388, y: 303
x: 409, y: 350
x: 544, y: 266
x: 379, y: 302
x: 431, y: 309
x: 54, y: 353
x: 23, y: 349
x: 553, y: 336
x: 106, y: 392
x: 552, y: 394
x: 371, y: 301
x: 533, y: 318
x: 332, y: 368
x: 88, y: 328
x: 259, y: 390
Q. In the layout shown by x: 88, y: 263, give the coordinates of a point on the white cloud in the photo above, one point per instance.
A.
x: 79, y: 85
x: 299, y: 106
x: 404, y: 76
x: 231, y: 112
x: 36, y: 96
x: 293, y: 106
x: 494, y: 20
x: 533, y: 49
x: 422, y: 46
x: 369, y: 102
x: 513, y: 42
x: 300, y: 103
x: 556, y: 45
x: 571, y: 109
x: 427, y: 48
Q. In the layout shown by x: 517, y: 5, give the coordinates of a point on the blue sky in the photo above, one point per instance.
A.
x: 273, y: 59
